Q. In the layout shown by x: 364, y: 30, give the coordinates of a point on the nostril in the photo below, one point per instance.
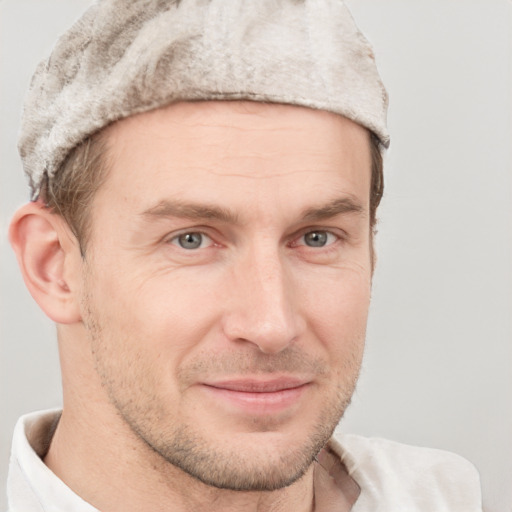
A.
x: 270, y: 336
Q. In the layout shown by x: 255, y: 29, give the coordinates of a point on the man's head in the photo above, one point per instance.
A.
x: 230, y: 251
x: 208, y: 262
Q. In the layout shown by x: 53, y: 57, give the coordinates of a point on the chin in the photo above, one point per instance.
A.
x: 253, y: 466
x: 252, y: 461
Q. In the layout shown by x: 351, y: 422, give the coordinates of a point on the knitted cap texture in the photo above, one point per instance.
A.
x: 126, y: 57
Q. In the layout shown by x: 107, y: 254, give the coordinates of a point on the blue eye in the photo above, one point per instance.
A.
x: 191, y: 240
x: 318, y: 238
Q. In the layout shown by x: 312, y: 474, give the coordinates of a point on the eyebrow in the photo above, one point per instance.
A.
x: 191, y: 211
x: 194, y: 211
x: 340, y: 206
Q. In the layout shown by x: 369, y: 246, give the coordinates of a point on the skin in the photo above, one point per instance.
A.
x: 208, y: 377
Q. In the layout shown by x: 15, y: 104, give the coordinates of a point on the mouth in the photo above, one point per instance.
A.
x: 258, y: 396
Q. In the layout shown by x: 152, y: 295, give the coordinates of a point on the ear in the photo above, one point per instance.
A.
x: 49, y: 258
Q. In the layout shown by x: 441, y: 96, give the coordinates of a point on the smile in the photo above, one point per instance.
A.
x: 258, y: 396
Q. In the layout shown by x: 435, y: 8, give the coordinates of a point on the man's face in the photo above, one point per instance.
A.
x: 227, y: 283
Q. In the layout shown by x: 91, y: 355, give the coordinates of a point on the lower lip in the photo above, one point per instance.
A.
x: 259, y: 403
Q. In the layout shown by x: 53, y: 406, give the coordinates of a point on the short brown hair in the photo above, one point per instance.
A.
x: 377, y: 178
x: 71, y: 191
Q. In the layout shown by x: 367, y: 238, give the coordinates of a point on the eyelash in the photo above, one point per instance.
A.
x: 295, y: 242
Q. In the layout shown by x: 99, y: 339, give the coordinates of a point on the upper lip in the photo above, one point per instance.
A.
x: 258, y: 385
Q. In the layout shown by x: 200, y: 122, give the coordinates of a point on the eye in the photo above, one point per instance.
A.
x: 192, y: 240
x: 318, y: 238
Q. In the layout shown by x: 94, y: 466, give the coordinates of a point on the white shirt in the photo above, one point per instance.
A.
x: 393, y: 477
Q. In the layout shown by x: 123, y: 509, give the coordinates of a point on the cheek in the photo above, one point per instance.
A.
x: 160, y: 315
x: 338, y: 293
x: 138, y: 340
x: 337, y: 310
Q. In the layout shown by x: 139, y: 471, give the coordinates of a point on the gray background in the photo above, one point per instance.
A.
x: 437, y: 369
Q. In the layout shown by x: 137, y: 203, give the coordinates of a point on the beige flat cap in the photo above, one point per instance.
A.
x: 125, y: 57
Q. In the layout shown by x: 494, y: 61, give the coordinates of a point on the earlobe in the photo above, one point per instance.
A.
x: 46, y: 252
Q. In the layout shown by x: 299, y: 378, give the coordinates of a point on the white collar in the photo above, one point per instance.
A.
x: 391, y: 476
x: 31, y: 485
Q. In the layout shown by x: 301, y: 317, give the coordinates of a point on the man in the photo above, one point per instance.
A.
x: 205, y: 180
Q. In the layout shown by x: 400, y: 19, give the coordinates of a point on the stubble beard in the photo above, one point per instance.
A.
x: 231, y: 470
x: 183, y: 446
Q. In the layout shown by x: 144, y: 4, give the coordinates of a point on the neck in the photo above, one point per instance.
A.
x: 112, y: 469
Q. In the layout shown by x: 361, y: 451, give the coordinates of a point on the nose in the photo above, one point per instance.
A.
x: 263, y: 308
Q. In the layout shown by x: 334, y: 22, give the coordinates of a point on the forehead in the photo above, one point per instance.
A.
x: 236, y: 151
